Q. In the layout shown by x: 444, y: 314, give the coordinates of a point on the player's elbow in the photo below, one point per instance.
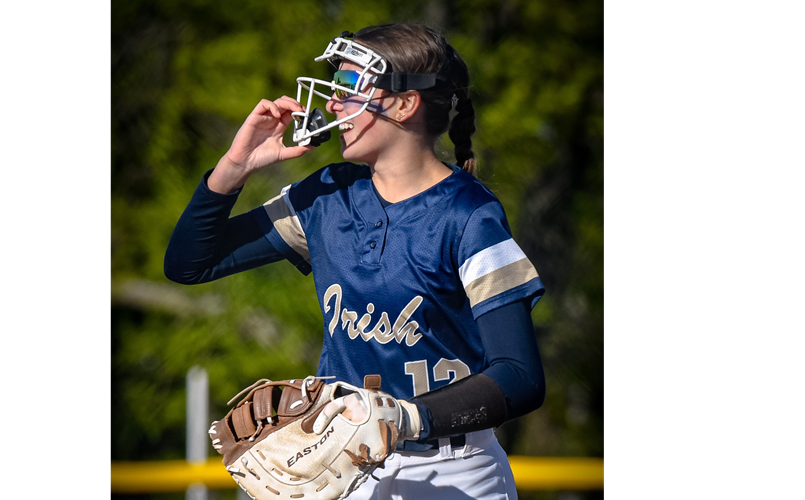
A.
x: 178, y: 273
x: 172, y: 270
x: 178, y: 278
x: 531, y: 398
x: 524, y: 388
x: 537, y: 396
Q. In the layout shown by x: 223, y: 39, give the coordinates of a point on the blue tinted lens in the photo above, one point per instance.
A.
x: 345, y: 78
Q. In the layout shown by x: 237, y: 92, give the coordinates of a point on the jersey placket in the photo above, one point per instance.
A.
x: 373, y: 239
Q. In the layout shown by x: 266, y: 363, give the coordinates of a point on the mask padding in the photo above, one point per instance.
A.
x: 317, y: 121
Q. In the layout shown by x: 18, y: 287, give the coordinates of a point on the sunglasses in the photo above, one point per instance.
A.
x: 351, y: 80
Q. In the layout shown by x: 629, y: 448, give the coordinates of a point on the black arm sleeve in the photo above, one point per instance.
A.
x: 207, y: 245
x: 512, y: 385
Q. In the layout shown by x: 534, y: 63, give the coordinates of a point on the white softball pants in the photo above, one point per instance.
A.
x: 477, y: 471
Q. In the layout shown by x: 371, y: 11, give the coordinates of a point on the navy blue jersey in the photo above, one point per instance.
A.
x: 400, y: 287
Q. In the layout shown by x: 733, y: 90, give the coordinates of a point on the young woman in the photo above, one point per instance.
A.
x: 416, y: 272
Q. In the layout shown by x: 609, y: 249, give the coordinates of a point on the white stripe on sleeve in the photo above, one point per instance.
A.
x: 490, y: 259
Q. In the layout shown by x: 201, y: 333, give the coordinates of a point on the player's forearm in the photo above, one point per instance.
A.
x: 512, y: 386
x: 190, y: 256
x: 207, y: 245
x: 472, y: 404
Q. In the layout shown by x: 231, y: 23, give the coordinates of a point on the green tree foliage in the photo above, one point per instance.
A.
x: 186, y: 73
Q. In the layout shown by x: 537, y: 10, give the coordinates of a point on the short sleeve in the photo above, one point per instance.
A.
x: 493, y: 269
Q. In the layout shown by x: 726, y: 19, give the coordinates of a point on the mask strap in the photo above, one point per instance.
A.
x: 402, y: 82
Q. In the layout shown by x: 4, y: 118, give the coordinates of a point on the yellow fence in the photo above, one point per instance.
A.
x: 530, y: 473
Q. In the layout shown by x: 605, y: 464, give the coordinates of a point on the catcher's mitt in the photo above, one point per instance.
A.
x: 278, y: 443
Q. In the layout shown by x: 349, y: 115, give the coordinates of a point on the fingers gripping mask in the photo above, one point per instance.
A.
x: 311, y: 127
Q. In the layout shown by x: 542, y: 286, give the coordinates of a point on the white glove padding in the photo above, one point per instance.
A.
x: 355, y: 408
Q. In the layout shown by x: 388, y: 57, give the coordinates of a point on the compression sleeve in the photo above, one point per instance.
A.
x: 207, y: 245
x: 512, y: 386
x: 515, y: 364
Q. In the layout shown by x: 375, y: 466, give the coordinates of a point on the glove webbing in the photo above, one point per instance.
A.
x: 265, y: 410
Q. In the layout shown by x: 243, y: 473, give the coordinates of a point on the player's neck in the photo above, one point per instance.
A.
x: 403, y: 174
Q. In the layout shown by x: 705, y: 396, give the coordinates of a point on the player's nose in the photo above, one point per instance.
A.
x: 333, y: 105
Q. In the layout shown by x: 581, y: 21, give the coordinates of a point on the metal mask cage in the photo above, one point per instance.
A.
x: 339, y: 49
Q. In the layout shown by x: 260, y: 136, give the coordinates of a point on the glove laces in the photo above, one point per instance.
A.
x: 305, y: 383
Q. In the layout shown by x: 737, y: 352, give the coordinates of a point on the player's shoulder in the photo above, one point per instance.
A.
x: 470, y: 193
x: 341, y: 175
x: 328, y: 180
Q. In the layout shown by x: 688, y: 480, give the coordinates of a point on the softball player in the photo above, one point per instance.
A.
x: 416, y: 272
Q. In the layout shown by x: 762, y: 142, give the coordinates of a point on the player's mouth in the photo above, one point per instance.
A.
x: 345, y: 127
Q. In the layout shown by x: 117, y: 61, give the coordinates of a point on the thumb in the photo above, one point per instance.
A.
x: 294, y: 152
x: 324, y: 418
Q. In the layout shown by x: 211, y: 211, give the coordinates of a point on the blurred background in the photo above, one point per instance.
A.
x: 186, y: 73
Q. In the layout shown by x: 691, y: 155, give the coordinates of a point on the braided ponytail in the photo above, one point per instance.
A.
x: 461, y: 129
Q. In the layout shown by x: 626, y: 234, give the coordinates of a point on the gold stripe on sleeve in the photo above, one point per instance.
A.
x: 500, y: 280
x: 287, y: 225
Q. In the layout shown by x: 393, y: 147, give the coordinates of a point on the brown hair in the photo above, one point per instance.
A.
x: 415, y: 48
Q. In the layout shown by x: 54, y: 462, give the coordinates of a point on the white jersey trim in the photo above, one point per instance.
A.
x: 490, y: 259
x: 495, y: 270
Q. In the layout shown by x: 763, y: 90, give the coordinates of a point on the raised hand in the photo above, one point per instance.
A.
x: 257, y: 144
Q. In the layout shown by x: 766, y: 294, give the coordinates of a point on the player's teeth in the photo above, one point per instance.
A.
x: 346, y: 126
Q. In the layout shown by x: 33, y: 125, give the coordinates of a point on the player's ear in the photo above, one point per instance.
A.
x: 408, y: 104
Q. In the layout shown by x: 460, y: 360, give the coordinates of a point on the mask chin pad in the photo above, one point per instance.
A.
x: 317, y: 121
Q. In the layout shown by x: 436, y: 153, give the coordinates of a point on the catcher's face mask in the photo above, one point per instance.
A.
x: 311, y: 127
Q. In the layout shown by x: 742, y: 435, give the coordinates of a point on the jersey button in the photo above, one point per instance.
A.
x: 379, y: 223
x: 373, y: 245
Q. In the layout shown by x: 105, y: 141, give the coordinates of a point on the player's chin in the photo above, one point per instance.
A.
x: 355, y: 151
x: 347, y: 151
